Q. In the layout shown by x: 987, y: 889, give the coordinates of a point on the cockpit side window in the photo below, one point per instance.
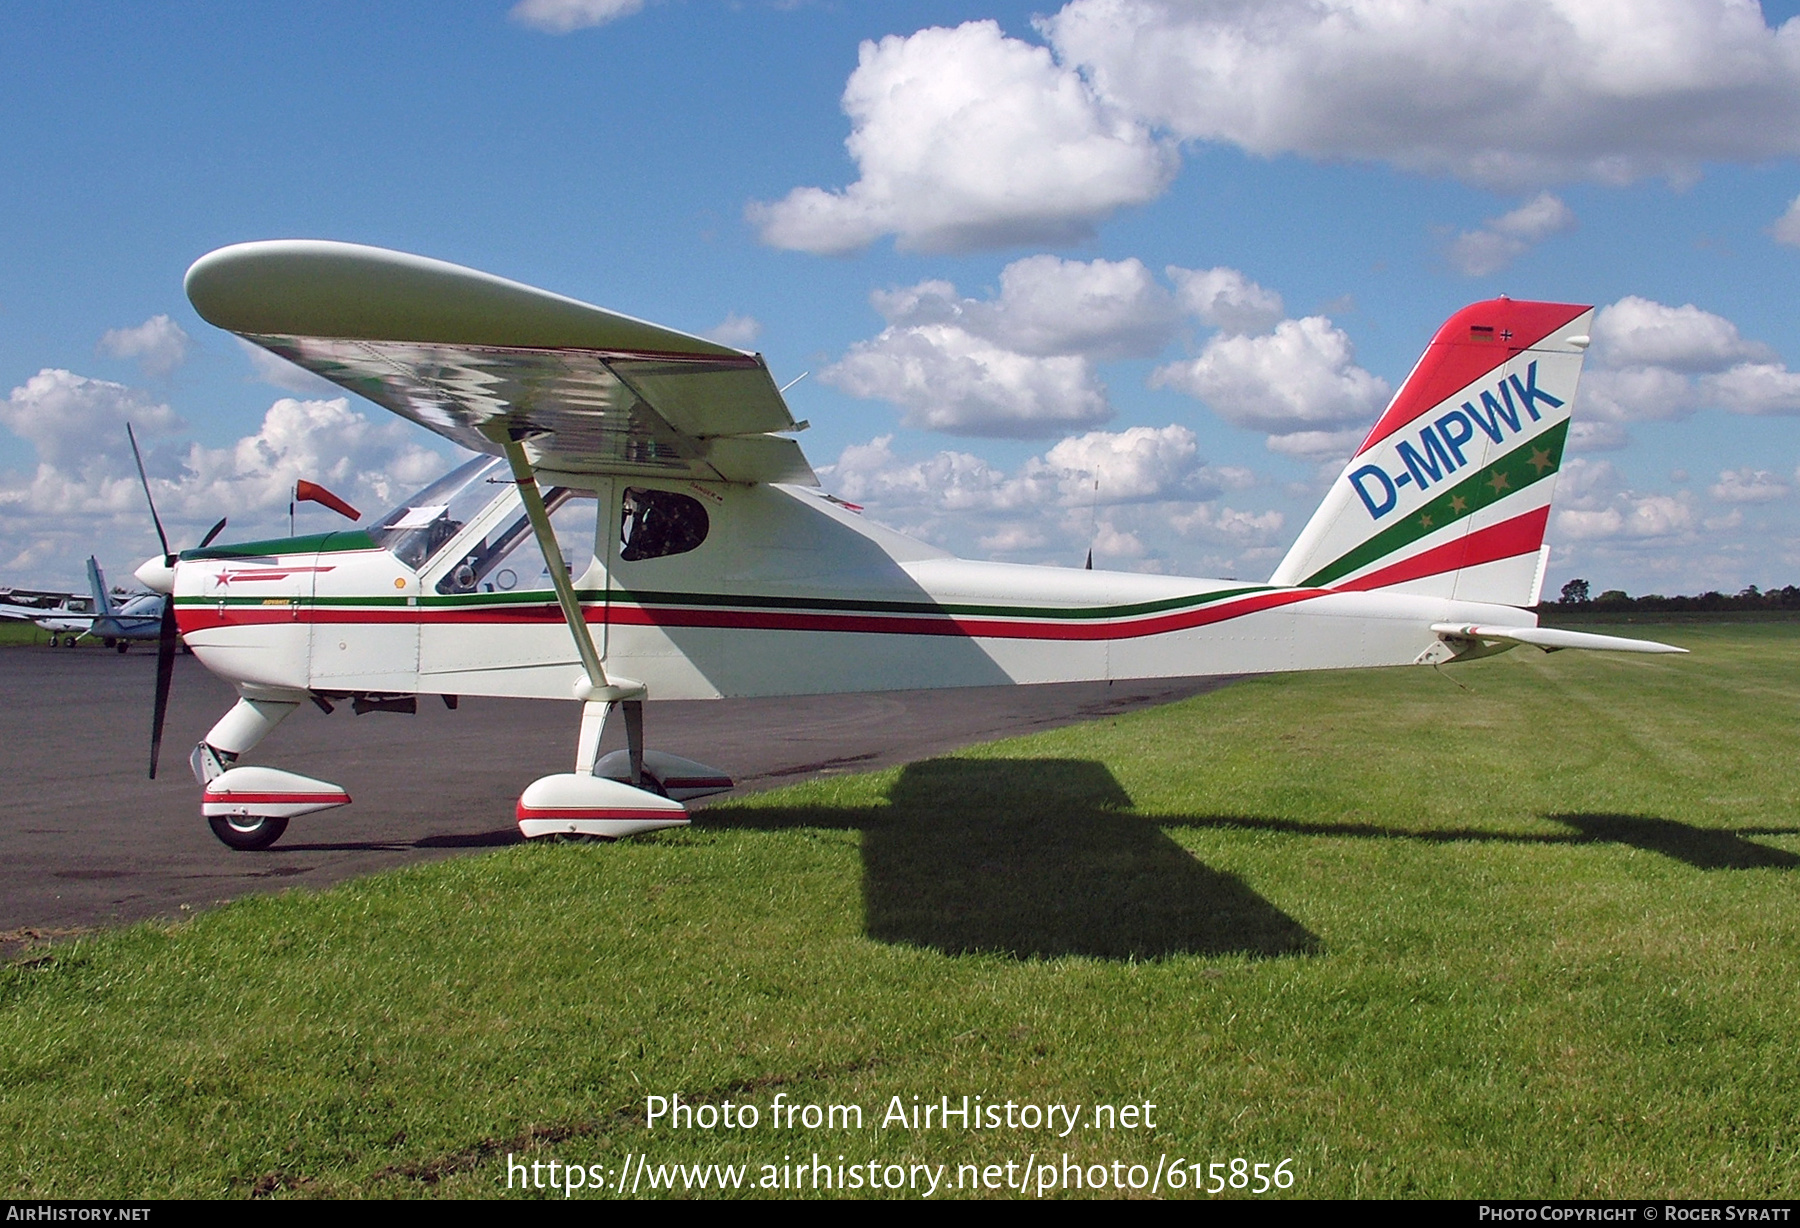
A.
x: 508, y: 558
x: 654, y: 524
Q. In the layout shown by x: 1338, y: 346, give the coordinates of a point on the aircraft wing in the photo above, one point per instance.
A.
x: 473, y: 356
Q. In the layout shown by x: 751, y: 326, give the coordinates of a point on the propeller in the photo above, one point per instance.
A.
x: 168, y: 638
x: 168, y: 558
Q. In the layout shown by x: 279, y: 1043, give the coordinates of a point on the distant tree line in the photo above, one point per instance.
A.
x: 1576, y: 596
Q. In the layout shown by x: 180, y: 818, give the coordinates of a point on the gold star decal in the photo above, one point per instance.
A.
x: 1424, y: 522
x: 1458, y: 503
x: 1499, y: 482
x: 1540, y: 460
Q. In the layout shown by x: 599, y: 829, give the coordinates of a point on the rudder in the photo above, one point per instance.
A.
x: 1450, y: 493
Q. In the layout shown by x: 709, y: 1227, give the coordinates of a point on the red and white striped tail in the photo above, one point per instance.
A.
x: 1449, y: 495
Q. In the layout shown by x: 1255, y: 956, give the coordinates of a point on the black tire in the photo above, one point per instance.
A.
x: 247, y: 835
x: 124, y: 646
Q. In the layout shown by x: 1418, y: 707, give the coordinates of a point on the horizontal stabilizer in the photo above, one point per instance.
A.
x: 1550, y: 639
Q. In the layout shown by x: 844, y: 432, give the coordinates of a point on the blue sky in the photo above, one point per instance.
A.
x: 1131, y: 241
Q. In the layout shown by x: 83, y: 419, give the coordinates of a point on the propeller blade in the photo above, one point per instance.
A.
x: 145, y: 479
x: 165, y: 674
x: 212, y: 533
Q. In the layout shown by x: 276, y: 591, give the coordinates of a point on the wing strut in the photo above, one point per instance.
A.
x: 599, y: 690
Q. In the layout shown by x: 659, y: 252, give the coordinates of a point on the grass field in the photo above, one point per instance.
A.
x: 17, y: 633
x: 1526, y: 927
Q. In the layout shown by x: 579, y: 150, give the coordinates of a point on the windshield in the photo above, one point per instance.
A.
x: 509, y: 559
x: 422, y: 525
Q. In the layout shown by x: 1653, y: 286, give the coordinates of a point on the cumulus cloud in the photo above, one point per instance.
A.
x: 1593, y: 504
x: 1504, y: 95
x: 1501, y: 240
x: 1226, y: 299
x: 1138, y: 464
x: 84, y: 488
x: 1248, y: 528
x: 1587, y: 435
x: 1653, y: 362
x: 1299, y: 384
x: 1636, y: 332
x: 159, y: 344
x: 964, y: 138
x: 1787, y: 226
x: 1154, y: 490
x: 1112, y: 542
x: 948, y: 379
x: 1322, y: 447
x: 1101, y: 308
x: 76, y: 423
x: 1048, y: 306
x: 1748, y: 485
x: 1020, y: 364
x: 376, y: 460
x: 1647, y: 516
x: 1752, y: 388
x: 567, y: 16
x: 736, y: 330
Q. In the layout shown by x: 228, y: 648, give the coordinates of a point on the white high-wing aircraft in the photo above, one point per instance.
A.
x: 641, y: 523
x: 65, y: 625
x: 137, y: 617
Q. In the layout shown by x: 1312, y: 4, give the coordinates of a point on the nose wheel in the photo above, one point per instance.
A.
x: 246, y: 833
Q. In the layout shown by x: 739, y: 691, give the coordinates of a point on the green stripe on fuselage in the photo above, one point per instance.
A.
x: 1531, y: 462
x: 335, y: 542
x: 740, y: 600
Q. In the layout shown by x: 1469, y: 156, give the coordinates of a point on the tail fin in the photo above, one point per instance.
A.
x: 1450, y: 493
x: 103, y: 605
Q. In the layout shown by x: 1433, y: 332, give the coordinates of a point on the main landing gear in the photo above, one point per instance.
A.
x: 627, y: 792
x: 606, y: 797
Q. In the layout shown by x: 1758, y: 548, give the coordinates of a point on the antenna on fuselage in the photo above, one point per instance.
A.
x: 1094, y: 524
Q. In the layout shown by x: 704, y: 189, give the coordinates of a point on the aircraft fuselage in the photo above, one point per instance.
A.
x: 787, y: 592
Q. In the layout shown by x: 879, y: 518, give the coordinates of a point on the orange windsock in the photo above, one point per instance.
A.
x: 312, y: 492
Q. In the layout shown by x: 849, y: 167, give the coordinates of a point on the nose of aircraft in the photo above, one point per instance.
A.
x: 156, y: 575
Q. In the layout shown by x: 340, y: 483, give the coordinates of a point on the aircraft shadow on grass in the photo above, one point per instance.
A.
x: 1036, y: 858
x: 1704, y: 848
x: 1040, y: 858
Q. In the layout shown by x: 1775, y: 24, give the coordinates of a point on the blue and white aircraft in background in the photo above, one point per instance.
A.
x: 137, y: 617
x: 114, y: 623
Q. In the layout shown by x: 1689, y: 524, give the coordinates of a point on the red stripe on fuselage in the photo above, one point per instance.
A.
x: 206, y: 618
x: 1520, y: 535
